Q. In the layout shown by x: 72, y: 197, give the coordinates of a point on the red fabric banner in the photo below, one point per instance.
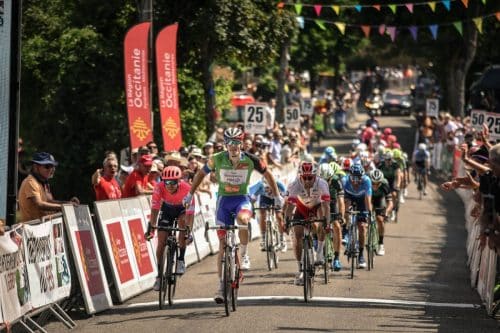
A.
x: 136, y: 54
x: 166, y: 68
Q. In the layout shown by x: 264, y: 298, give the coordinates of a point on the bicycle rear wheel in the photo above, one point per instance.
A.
x: 226, y: 271
x: 235, y: 287
x: 171, y: 276
x: 276, y: 238
x: 371, y: 244
x: 269, y: 246
x: 162, y: 276
x: 328, y: 255
x: 353, y: 239
x: 305, y: 268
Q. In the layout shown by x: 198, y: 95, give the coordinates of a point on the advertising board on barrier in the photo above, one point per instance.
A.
x: 14, y: 286
x: 47, y: 264
x: 87, y: 258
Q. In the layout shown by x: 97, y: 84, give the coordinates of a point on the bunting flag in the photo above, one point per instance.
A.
x: 168, y: 97
x: 392, y: 32
x: 497, y: 14
x: 320, y: 24
x: 358, y: 8
x: 381, y: 29
x: 434, y: 30
x: 281, y: 5
x: 317, y: 9
x: 433, y: 6
x: 341, y: 27
x: 458, y: 26
x: 479, y: 24
x: 393, y: 8
x: 446, y: 4
x: 300, y: 21
x: 336, y: 9
x: 466, y: 3
x: 410, y: 7
x: 377, y: 7
x: 366, y: 30
x: 298, y: 8
x: 414, y: 31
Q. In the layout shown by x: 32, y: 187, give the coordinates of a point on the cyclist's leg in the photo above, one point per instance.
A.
x: 223, y: 216
x: 320, y: 233
x: 243, y: 212
x: 380, y: 214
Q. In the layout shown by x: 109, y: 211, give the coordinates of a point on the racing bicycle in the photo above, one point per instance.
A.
x: 271, y: 238
x: 372, y: 241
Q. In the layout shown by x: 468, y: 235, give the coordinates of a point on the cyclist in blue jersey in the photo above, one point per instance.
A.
x: 262, y: 192
x: 421, y: 162
x: 358, y: 190
x: 329, y: 155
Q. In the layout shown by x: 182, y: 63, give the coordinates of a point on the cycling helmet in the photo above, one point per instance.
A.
x: 357, y: 170
x: 376, y: 176
x: 329, y: 151
x: 346, y: 165
x: 396, y: 145
x: 336, y: 169
x: 388, y: 131
x: 325, y: 171
x: 422, y: 146
x: 233, y: 133
x: 396, y: 153
x: 381, y: 149
x: 171, y: 173
x: 361, y: 147
x: 391, y: 138
x: 307, y: 168
x: 388, y: 155
x: 356, y: 142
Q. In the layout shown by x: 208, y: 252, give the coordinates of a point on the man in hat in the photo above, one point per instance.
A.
x: 138, y: 181
x: 35, y: 197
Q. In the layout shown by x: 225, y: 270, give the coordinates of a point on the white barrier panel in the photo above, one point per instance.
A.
x: 134, y: 229
x: 14, y: 292
x: 87, y: 258
x: 118, y: 249
x: 490, y: 285
x: 201, y: 243
x: 482, y: 280
x: 42, y: 242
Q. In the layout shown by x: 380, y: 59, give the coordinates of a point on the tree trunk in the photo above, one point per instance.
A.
x: 208, y: 87
x: 459, y: 65
x: 280, y: 93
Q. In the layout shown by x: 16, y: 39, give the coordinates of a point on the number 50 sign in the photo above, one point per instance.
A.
x: 490, y: 119
x: 255, y: 118
x: 292, y: 117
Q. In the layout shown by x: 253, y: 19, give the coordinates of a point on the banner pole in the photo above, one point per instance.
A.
x: 14, y: 101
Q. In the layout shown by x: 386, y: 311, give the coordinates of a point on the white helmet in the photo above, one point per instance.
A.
x: 325, y: 171
x: 422, y: 146
x: 361, y: 147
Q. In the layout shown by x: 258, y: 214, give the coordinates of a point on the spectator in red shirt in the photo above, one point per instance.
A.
x: 138, y: 181
x: 106, y: 187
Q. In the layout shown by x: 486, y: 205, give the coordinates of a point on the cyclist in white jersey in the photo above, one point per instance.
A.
x: 308, y: 196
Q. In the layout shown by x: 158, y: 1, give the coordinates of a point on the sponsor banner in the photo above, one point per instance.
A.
x: 5, y: 39
x: 145, y: 201
x: 136, y: 55
x: 255, y: 118
x: 166, y: 68
x: 118, y: 249
x: 432, y: 107
x: 292, y: 117
x: 14, y: 286
x: 490, y: 119
x: 200, y: 238
x: 87, y: 258
x: 40, y: 252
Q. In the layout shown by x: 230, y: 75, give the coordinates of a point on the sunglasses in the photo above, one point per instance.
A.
x: 171, y: 182
x: 355, y: 179
x: 233, y: 142
x: 152, y: 147
x: 48, y: 166
x: 308, y: 178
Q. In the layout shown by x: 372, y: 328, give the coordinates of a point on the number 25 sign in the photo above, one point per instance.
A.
x: 255, y: 118
x: 490, y: 119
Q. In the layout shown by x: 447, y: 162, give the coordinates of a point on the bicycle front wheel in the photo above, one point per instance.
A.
x: 353, y: 239
x: 269, y: 246
x: 171, y: 277
x: 235, y: 286
x: 162, y: 276
x: 371, y: 243
x: 328, y: 255
x: 226, y: 271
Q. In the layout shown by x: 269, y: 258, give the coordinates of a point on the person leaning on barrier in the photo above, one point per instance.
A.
x: 104, y: 181
x: 2, y: 227
x: 35, y: 198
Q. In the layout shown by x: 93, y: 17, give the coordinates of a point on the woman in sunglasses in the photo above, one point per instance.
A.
x: 358, y: 191
x: 166, y: 206
x: 309, y: 196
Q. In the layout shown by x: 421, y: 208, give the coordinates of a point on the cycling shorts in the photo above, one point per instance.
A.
x: 360, y: 206
x: 420, y: 167
x: 169, y: 213
x: 228, y: 207
x: 380, y: 211
x: 304, y: 212
x: 265, y: 201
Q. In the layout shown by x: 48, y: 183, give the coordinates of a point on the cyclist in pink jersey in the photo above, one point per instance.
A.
x: 166, y: 206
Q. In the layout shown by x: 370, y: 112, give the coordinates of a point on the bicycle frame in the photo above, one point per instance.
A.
x: 271, y: 239
x: 353, y: 244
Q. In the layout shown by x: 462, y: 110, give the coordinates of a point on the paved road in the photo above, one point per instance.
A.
x: 420, y: 285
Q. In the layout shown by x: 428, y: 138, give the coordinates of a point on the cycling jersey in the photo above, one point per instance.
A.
x: 381, y: 195
x: 421, y: 156
x: 170, y: 204
x: 260, y: 189
x: 308, y: 202
x: 359, y: 193
x: 389, y: 172
x: 233, y: 180
x: 336, y: 190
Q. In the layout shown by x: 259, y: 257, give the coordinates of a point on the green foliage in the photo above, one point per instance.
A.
x: 192, y: 105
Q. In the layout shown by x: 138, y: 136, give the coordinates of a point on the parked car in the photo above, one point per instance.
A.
x: 396, y: 102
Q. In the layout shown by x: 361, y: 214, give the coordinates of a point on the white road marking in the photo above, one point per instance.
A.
x: 315, y: 299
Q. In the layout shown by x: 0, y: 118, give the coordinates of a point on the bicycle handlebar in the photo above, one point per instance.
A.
x: 304, y: 222
x: 268, y: 208
x: 162, y: 228
x: 226, y: 227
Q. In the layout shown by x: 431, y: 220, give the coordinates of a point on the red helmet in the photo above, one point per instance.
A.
x: 171, y: 173
x: 307, y: 168
x: 388, y: 131
x: 346, y: 165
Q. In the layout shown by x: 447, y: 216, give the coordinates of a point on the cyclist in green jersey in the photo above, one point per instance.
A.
x: 233, y: 169
x: 331, y: 173
x: 382, y: 205
x: 393, y: 174
x: 398, y: 158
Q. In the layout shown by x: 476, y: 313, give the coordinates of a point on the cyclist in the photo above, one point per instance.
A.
x: 233, y: 169
x: 382, y: 204
x: 309, y: 196
x: 329, y: 155
x: 397, y: 155
x: 358, y: 189
x: 262, y: 191
x: 330, y: 173
x: 166, y: 206
x: 392, y: 173
x: 421, y: 162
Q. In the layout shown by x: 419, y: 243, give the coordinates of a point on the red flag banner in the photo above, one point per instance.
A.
x: 166, y: 68
x: 137, y: 85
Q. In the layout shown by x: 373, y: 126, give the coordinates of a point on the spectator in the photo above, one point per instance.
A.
x: 154, y: 176
x: 138, y: 181
x: 35, y: 198
x: 208, y: 149
x: 22, y: 169
x: 153, y: 148
x: 125, y: 171
x: 218, y: 147
x: 275, y: 148
x: 106, y: 186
